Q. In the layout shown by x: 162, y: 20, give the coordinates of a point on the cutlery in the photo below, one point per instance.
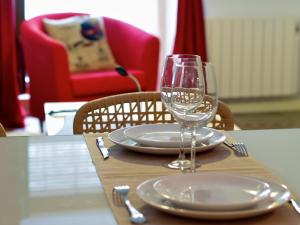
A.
x: 120, y: 196
x: 296, y: 204
x: 104, y: 151
x: 241, y: 148
x: 238, y: 147
x: 230, y: 145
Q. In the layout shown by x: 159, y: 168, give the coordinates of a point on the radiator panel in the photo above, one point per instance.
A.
x: 254, y: 57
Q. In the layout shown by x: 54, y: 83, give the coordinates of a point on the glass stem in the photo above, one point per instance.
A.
x: 181, y: 156
x: 193, y: 149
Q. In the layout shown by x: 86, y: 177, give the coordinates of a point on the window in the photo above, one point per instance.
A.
x: 154, y: 16
x: 143, y: 14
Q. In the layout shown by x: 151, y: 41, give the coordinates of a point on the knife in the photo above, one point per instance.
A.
x: 104, y: 151
x: 295, y: 204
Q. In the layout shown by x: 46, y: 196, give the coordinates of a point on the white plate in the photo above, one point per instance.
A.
x: 119, y: 138
x: 212, y: 191
x: 164, y: 135
x: 279, y: 195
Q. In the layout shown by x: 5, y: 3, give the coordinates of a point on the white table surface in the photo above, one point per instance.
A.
x: 278, y: 150
x: 49, y: 180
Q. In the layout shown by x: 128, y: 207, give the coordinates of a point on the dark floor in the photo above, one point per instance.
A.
x: 268, y: 120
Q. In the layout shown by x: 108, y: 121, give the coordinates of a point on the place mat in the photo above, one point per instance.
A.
x: 132, y: 168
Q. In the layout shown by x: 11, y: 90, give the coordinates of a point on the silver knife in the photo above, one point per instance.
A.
x: 295, y: 204
x: 104, y: 151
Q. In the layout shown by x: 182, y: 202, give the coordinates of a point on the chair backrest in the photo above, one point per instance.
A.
x: 2, y: 131
x: 117, y: 111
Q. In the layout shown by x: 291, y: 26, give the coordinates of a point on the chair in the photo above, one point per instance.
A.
x: 47, y: 64
x: 114, y: 112
x: 2, y: 131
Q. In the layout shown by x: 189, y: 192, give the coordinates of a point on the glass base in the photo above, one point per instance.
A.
x: 181, y: 164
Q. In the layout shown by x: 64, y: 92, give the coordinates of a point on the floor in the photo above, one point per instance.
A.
x: 32, y: 128
x: 268, y: 120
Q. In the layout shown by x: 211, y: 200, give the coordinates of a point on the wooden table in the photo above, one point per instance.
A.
x: 51, y: 179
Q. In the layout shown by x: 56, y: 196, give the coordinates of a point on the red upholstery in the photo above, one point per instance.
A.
x: 47, y: 64
x: 85, y: 84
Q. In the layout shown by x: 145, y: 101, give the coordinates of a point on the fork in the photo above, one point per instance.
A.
x: 237, y: 147
x: 120, y: 197
x: 241, y: 148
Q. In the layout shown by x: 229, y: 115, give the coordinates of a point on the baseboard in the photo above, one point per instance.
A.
x: 264, y: 106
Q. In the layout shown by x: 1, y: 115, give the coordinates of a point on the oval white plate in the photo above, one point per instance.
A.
x: 279, y: 195
x: 212, y: 191
x: 164, y: 135
x: 120, y: 139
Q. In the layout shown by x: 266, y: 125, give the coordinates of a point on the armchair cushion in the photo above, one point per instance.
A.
x: 85, y: 41
x: 87, y: 84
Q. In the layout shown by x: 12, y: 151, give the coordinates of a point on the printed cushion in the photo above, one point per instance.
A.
x: 85, y: 41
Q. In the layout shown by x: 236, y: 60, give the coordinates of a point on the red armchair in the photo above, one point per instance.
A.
x: 50, y: 78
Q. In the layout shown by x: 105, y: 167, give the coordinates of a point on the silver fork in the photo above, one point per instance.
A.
x: 120, y: 197
x: 241, y: 148
x: 238, y: 148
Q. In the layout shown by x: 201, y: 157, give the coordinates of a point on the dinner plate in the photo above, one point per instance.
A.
x: 164, y: 135
x: 120, y: 139
x: 279, y: 195
x: 212, y: 191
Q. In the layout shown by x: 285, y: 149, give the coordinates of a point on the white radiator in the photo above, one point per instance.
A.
x: 254, y: 57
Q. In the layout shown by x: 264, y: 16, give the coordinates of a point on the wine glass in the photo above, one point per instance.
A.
x: 170, y: 87
x: 205, y: 112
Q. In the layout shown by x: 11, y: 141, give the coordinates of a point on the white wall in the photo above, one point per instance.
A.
x: 251, y: 8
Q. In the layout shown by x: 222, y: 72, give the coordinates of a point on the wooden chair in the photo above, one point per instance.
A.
x: 117, y: 111
x: 2, y: 131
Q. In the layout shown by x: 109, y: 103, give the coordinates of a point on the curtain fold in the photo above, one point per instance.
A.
x: 190, y: 32
x: 11, y: 112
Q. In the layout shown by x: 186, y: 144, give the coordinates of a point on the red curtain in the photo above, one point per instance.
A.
x: 190, y: 34
x: 11, y: 114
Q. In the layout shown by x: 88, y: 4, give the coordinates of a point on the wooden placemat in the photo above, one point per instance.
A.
x: 132, y: 168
